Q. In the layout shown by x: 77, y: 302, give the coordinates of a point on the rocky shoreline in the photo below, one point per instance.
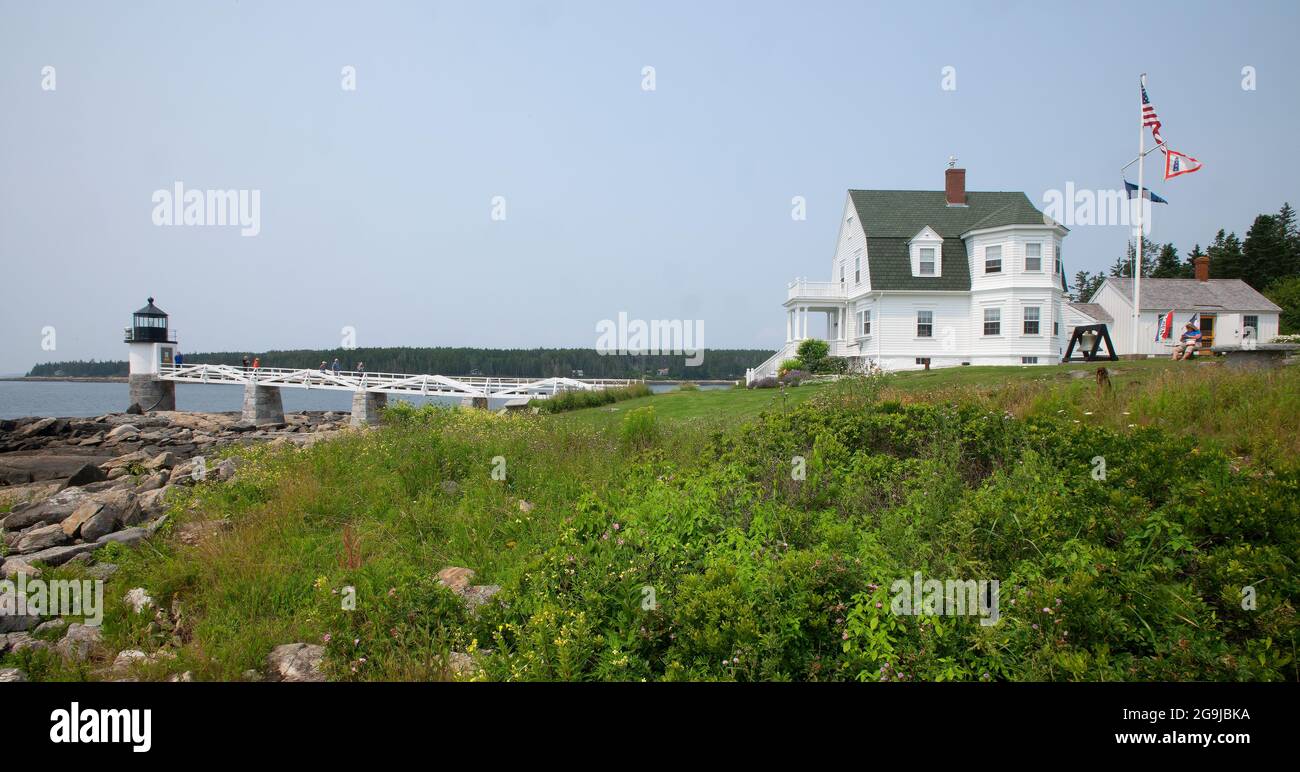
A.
x: 69, y: 486
x: 72, y: 485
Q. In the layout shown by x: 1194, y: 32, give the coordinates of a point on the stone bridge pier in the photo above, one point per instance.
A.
x: 262, y: 405
x: 366, y: 406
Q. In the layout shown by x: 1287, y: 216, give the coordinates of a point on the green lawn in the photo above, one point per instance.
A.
x: 736, y: 404
x: 1121, y: 372
x: 729, y: 405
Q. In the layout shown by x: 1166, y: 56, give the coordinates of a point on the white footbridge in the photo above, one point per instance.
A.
x: 467, y: 388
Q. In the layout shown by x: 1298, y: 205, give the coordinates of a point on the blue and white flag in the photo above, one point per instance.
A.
x: 1146, y: 193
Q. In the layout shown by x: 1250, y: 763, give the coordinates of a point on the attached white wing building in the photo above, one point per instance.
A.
x: 943, y: 278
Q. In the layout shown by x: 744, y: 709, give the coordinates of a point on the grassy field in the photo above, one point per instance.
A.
x: 706, y: 405
x: 754, y: 571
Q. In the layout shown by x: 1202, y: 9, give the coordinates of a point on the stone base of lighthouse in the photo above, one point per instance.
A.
x: 262, y: 405
x: 366, y: 406
x: 149, y: 393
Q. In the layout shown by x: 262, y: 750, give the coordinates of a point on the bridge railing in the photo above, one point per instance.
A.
x: 398, y: 383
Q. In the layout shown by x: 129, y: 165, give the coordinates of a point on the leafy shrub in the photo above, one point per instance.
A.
x: 812, y: 354
x: 788, y: 365
x: 833, y: 366
x: 794, y: 377
x: 769, y: 382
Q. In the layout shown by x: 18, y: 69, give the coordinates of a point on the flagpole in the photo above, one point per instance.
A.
x: 1137, y: 264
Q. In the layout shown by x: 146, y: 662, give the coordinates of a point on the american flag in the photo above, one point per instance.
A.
x: 1149, y: 117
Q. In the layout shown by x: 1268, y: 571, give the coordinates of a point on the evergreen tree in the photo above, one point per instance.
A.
x: 1286, y: 293
x: 1123, y: 267
x: 1085, y: 284
x: 1286, y: 224
x: 1264, y: 252
x: 1167, y: 265
x: 1226, y: 259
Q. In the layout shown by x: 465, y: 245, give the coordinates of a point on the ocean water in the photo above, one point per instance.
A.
x: 82, y: 399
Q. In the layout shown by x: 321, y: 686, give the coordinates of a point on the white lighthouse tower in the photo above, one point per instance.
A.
x: 152, y: 346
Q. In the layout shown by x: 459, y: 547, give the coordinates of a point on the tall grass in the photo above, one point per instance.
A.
x: 1255, y: 414
x: 713, y: 518
x: 576, y: 400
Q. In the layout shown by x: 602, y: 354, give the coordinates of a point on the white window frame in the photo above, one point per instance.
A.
x: 929, y: 323
x: 864, y: 323
x: 997, y: 310
x: 857, y: 266
x: 1038, y: 257
x: 1037, y: 320
x: 997, y: 247
x: 921, y: 261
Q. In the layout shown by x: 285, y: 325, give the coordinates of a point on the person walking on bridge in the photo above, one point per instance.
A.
x: 245, y: 361
x: 336, y: 366
x: 322, y: 367
x: 257, y: 362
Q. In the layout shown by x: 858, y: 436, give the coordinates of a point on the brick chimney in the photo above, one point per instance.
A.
x: 954, y: 185
x: 1202, y: 266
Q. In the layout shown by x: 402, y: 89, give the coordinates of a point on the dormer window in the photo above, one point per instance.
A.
x: 927, y: 261
x: 925, y: 248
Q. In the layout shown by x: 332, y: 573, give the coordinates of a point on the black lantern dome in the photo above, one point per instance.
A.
x: 148, y: 325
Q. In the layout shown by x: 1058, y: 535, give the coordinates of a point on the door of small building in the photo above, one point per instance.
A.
x: 1207, y: 330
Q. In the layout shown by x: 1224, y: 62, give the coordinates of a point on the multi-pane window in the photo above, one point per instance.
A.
x: 993, y: 259
x: 1031, y: 320
x: 1059, y: 269
x: 992, y: 321
x: 924, y: 324
x: 857, y: 266
x: 927, y: 261
x: 1033, y: 257
x: 864, y: 323
x: 1252, y: 323
x: 1028, y: 360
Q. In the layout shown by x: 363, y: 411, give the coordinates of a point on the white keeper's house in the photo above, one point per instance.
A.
x: 944, y: 278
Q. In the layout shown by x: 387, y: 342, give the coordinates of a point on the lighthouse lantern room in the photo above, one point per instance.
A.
x: 151, y: 346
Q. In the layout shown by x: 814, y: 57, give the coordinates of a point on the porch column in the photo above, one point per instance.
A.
x: 789, y: 315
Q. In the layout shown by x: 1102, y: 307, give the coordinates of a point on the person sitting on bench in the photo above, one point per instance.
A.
x: 1188, y: 343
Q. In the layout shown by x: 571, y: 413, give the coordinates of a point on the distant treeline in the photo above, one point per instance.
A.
x: 87, y: 369
x: 718, y: 364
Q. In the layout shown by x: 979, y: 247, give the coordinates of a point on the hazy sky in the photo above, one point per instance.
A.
x: 376, y: 203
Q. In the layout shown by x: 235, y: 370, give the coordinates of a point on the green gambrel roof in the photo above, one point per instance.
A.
x: 892, y: 217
